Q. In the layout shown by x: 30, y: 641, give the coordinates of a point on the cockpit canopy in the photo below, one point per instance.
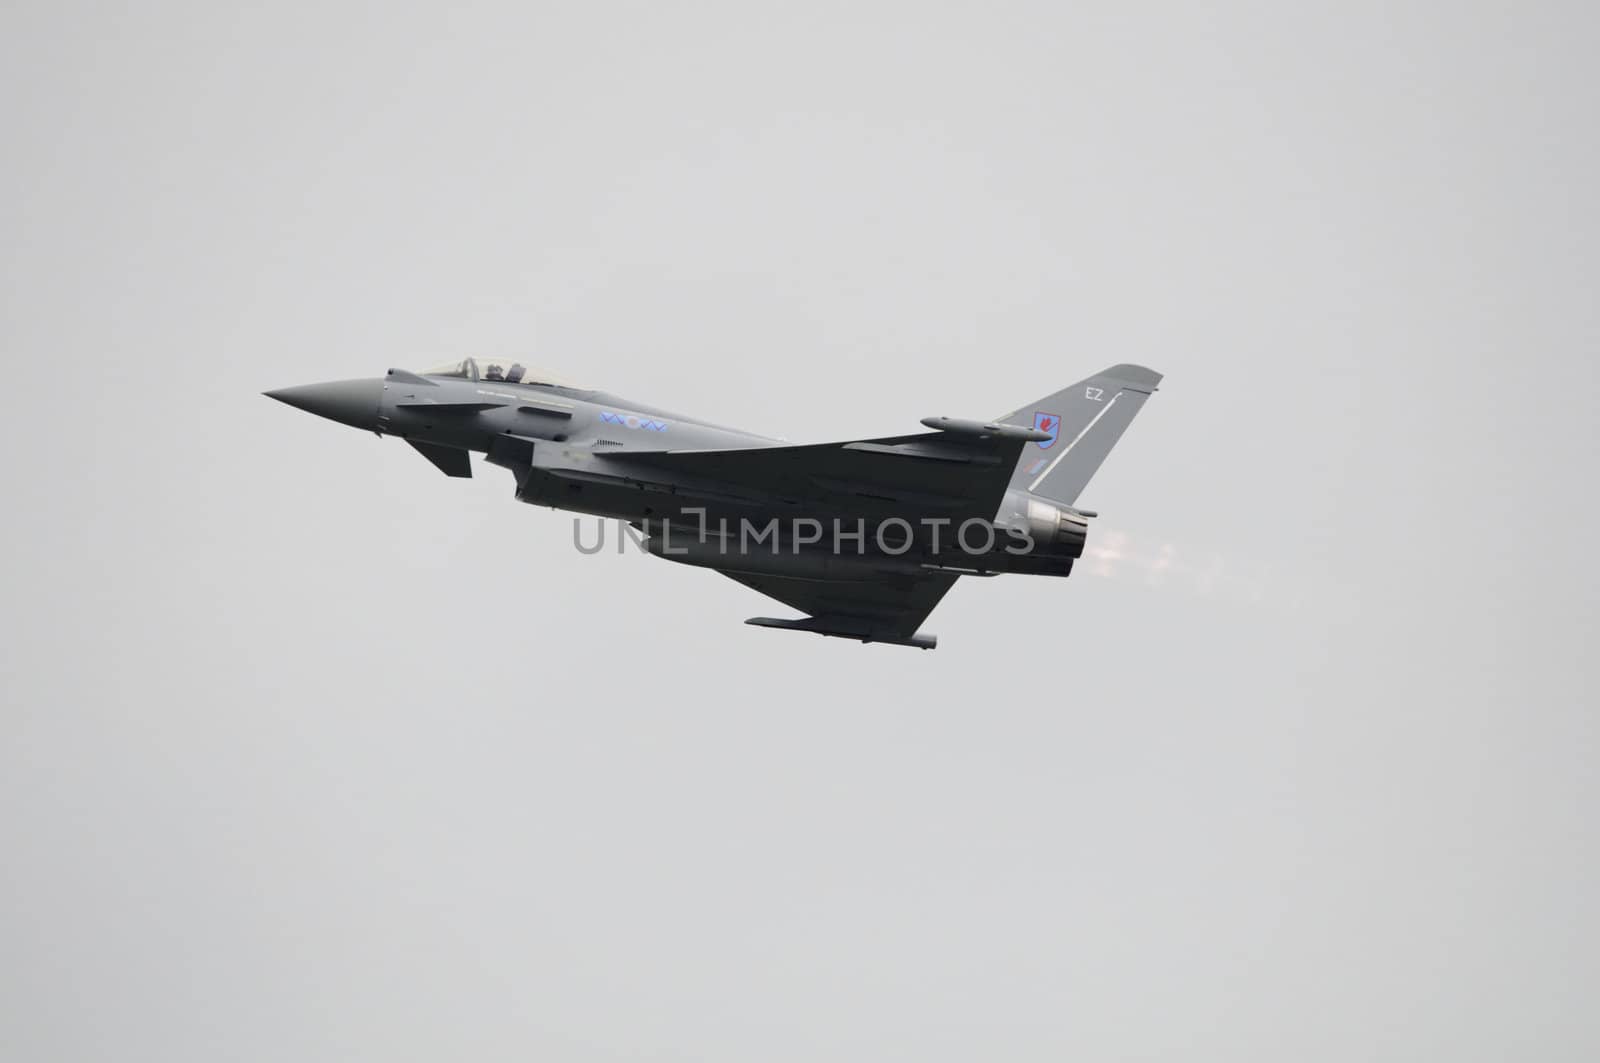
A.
x: 499, y: 371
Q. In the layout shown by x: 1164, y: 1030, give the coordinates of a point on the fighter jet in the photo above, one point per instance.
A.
x: 863, y: 536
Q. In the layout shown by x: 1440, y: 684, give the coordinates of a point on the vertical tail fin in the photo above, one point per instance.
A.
x: 1085, y: 422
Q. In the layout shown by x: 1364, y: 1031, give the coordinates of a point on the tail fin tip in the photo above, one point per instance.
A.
x: 1140, y: 377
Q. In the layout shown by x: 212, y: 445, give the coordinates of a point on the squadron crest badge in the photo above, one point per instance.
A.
x: 1047, y: 422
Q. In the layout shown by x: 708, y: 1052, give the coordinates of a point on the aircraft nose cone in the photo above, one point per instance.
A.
x: 351, y: 402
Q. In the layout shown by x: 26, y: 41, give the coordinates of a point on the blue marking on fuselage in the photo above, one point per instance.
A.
x: 629, y: 420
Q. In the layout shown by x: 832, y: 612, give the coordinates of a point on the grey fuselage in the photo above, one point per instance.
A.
x: 569, y: 448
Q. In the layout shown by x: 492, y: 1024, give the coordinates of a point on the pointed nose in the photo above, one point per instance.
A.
x: 351, y: 402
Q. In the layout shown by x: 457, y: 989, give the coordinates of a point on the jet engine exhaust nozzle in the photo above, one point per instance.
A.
x: 1057, y: 529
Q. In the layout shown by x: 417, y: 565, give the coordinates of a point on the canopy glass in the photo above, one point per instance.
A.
x: 498, y: 371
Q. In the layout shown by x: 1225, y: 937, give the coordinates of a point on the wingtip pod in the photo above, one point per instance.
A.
x: 840, y: 630
x: 984, y: 429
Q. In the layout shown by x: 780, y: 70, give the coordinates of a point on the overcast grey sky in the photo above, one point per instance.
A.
x: 308, y: 752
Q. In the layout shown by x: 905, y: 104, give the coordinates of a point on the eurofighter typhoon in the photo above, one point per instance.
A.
x: 862, y: 536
